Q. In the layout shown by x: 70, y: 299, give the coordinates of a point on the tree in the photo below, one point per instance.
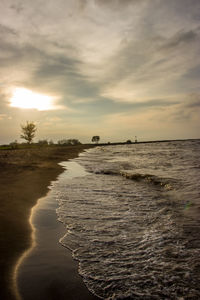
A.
x: 128, y: 142
x: 69, y: 142
x: 95, y: 139
x: 43, y: 142
x: 14, y: 145
x: 74, y: 142
x: 51, y: 142
x: 28, y: 131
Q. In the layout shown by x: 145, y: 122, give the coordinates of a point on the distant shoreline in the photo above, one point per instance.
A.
x: 88, y: 145
x: 145, y: 142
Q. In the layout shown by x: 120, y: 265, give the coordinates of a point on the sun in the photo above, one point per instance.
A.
x: 24, y: 98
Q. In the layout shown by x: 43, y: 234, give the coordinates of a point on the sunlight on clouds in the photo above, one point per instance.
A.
x: 24, y: 98
x: 125, y: 93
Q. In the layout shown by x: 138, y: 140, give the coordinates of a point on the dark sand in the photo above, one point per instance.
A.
x: 25, y: 177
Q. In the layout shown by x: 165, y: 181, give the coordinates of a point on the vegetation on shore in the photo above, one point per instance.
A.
x: 28, y: 133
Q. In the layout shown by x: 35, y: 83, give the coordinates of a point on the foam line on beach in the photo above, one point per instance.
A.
x: 39, y: 269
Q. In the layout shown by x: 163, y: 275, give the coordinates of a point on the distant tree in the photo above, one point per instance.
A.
x: 62, y: 142
x: 14, y: 145
x: 28, y: 131
x: 128, y: 142
x: 74, y: 142
x: 69, y: 142
x: 43, y: 142
x: 95, y: 139
x: 51, y: 143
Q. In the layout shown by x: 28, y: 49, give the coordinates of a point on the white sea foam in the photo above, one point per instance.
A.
x: 124, y: 212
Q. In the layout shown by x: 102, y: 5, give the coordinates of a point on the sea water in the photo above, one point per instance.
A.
x: 132, y: 219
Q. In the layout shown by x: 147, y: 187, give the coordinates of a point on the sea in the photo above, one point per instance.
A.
x: 131, y: 214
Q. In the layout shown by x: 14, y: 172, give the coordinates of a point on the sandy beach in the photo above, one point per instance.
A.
x: 25, y: 177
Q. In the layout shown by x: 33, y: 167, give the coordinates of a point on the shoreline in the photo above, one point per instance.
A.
x: 47, y: 270
x: 25, y: 177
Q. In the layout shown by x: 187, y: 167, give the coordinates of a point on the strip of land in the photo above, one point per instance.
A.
x: 25, y: 177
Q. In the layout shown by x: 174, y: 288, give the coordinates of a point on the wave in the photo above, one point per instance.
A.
x: 166, y: 183
x: 131, y: 235
x: 155, y: 180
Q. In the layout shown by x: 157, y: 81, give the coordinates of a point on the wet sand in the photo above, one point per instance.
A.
x: 25, y: 177
x: 47, y: 270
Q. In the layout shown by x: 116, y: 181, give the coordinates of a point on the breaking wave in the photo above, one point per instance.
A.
x: 130, y: 220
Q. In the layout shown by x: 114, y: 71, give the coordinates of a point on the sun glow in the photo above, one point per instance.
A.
x: 27, y: 99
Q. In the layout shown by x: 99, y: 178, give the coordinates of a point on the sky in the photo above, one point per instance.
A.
x: 113, y: 68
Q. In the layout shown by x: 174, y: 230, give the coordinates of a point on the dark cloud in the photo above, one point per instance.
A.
x: 82, y: 4
x: 63, y: 76
x: 117, y: 3
x: 18, y: 7
x: 149, y: 59
x: 106, y: 106
x: 193, y: 73
x: 193, y: 101
x: 173, y: 15
x: 188, y: 110
x: 13, y: 54
x: 185, y: 8
x: 180, y: 39
x: 5, y: 31
x: 3, y: 99
x: 46, y: 70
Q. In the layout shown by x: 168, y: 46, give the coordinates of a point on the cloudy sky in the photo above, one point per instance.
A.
x: 114, y: 68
